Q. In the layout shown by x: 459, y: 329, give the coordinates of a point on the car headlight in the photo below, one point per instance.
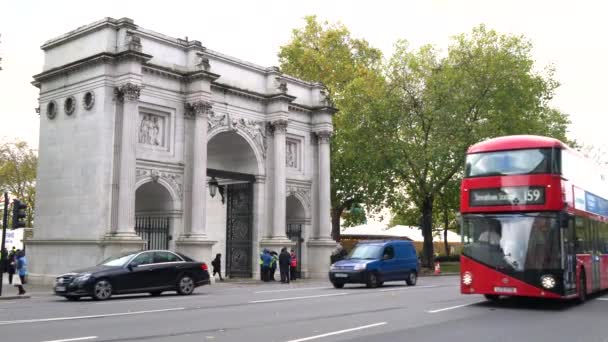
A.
x: 359, y: 267
x: 332, y: 267
x: 547, y: 281
x: 82, y: 277
x: 467, y: 278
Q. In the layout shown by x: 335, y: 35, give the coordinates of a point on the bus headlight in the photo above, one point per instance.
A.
x: 467, y: 278
x: 547, y: 281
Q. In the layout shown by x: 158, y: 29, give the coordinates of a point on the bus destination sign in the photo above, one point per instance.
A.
x: 514, y: 195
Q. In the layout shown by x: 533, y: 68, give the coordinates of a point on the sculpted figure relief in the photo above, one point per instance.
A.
x: 149, y: 130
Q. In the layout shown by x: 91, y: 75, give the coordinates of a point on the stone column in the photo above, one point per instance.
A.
x: 128, y: 94
x: 324, y: 185
x: 198, y: 228
x: 195, y: 242
x: 279, y: 184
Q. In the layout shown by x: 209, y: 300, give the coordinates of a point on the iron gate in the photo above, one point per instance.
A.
x: 153, y: 230
x: 239, y: 236
x: 294, y: 233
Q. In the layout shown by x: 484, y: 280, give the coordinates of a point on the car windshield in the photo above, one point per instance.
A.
x: 506, y: 163
x: 118, y: 260
x: 513, y: 242
x: 366, y: 252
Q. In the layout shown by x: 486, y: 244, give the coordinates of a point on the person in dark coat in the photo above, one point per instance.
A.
x: 217, y: 265
x: 284, y: 264
x: 12, y: 263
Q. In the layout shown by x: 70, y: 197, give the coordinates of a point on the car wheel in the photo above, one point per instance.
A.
x: 372, y: 280
x: 102, y: 290
x: 338, y: 285
x: 582, y: 291
x: 72, y: 298
x: 412, y: 278
x: 185, y: 285
x: 156, y: 293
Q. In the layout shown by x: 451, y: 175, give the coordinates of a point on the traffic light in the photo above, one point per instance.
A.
x: 19, y: 214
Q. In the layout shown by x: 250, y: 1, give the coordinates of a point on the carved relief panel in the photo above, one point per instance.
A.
x: 294, y: 153
x: 152, y: 130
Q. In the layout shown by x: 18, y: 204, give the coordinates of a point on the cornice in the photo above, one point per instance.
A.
x: 100, y: 58
x: 96, y: 26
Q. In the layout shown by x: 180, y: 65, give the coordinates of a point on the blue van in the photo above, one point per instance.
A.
x: 374, y: 262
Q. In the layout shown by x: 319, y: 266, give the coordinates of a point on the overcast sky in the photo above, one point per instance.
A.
x: 570, y: 35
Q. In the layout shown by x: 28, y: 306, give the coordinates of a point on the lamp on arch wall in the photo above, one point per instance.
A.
x: 214, y: 186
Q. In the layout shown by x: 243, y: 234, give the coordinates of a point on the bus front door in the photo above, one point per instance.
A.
x: 568, y: 254
x: 595, y: 257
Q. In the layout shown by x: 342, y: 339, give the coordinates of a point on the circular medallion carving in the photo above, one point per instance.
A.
x: 88, y: 100
x: 69, y: 105
x: 51, y: 110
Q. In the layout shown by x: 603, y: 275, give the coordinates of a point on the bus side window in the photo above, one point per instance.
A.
x: 581, y: 241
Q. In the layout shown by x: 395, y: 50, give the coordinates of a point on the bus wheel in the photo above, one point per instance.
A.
x: 492, y: 298
x: 582, y: 291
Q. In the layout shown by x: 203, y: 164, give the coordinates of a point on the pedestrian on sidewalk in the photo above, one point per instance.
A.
x: 21, y: 263
x: 11, y: 265
x: 294, y: 265
x: 265, y: 260
x: 217, y: 265
x: 284, y: 264
x: 273, y: 265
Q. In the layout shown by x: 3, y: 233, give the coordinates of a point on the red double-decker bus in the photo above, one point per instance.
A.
x: 534, y: 220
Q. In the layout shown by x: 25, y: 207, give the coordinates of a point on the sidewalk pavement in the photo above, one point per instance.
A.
x: 10, y: 291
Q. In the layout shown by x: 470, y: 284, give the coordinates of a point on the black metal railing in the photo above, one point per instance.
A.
x: 154, y: 230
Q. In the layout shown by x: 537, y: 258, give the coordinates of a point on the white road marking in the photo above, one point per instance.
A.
x: 75, y: 339
x: 452, y: 307
x: 22, y: 321
x: 603, y: 298
x: 141, y: 300
x: 338, y: 332
x: 295, y: 289
x: 406, y: 288
x: 297, y: 298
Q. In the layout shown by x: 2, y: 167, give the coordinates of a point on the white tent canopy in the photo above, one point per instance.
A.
x: 413, y: 233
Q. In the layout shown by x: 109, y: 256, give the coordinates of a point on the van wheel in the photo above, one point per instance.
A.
x: 582, y: 291
x: 338, y: 285
x: 372, y: 280
x: 412, y: 278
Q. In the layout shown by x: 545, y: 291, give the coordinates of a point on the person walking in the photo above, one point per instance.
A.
x: 284, y: 264
x: 294, y: 264
x: 21, y: 263
x: 217, y: 265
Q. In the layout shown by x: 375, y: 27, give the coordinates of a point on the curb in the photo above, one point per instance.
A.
x: 14, y: 297
x: 439, y: 275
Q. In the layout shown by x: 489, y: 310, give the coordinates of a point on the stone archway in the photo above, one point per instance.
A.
x: 155, y: 215
x: 234, y: 161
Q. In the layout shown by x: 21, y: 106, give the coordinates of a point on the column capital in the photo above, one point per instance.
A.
x: 199, y: 108
x: 278, y: 126
x: 324, y: 137
x: 127, y: 92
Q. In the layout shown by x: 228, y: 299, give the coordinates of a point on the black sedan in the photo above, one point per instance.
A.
x: 147, y: 271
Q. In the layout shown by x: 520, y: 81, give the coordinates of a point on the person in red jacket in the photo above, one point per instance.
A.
x: 294, y: 264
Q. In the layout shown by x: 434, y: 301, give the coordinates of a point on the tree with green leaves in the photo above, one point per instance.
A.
x: 351, y: 71
x: 438, y: 106
x: 18, y: 165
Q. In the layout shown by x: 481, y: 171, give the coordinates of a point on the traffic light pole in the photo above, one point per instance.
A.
x: 3, y: 252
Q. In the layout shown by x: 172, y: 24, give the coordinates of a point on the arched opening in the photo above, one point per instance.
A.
x: 296, y: 221
x: 154, y: 215
x: 232, y: 163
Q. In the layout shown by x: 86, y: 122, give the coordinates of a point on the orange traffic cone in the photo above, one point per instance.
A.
x: 437, y: 268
